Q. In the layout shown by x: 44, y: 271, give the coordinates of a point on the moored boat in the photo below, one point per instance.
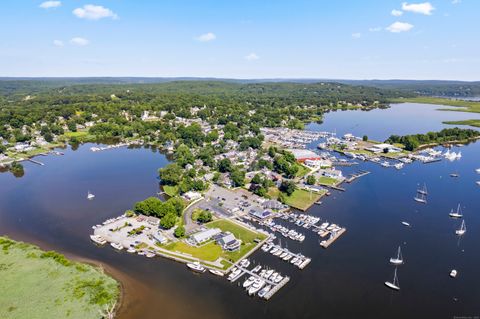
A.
x: 394, y: 284
x: 453, y: 273
x: 457, y: 213
x: 216, y: 272
x: 98, y: 239
x: 195, y: 266
x: 117, y: 246
x: 398, y: 260
x: 462, y: 230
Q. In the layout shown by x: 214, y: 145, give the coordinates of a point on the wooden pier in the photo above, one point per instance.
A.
x: 330, y: 241
x: 35, y: 162
x: 276, y: 288
x: 356, y: 175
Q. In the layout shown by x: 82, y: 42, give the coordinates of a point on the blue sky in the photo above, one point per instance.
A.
x: 242, y: 39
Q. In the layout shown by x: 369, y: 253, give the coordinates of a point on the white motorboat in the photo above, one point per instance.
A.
x: 248, y: 282
x: 195, y: 266
x: 117, y: 246
x: 131, y: 250
x: 453, y: 273
x: 216, y: 272
x: 264, y: 291
x: 478, y: 183
x: 98, y: 239
x: 397, y: 260
x: 477, y: 170
x: 150, y: 254
x: 278, y: 279
x: 406, y: 224
x: 399, y: 165
x: 462, y: 230
x: 394, y: 284
x: 294, y: 260
x: 268, y: 273
x: 256, y: 286
x: 457, y: 213
x: 90, y: 196
x: 273, y: 277
x: 283, y: 255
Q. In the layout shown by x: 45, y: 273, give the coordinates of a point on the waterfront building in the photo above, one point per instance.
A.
x: 205, y: 235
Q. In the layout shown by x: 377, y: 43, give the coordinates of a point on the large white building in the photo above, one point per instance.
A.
x: 204, y: 236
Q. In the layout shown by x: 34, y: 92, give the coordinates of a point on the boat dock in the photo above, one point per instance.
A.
x: 433, y: 160
x: 344, y: 163
x: 332, y: 238
x: 35, y: 162
x: 354, y: 176
x: 337, y: 188
x: 275, y: 286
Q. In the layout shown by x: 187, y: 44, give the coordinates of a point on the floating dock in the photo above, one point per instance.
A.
x: 356, y: 175
x: 275, y: 286
x: 330, y: 241
x: 35, y: 162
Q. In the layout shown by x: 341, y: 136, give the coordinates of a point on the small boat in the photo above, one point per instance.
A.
x: 397, y: 260
x: 454, y: 175
x: 478, y: 183
x: 420, y: 198
x: 477, y: 170
x: 268, y: 273
x: 216, y: 272
x: 453, y: 273
x: 256, y: 286
x: 248, y: 282
x: 131, y: 250
x: 117, y: 246
x: 406, y: 224
x: 462, y: 230
x: 423, y: 190
x: 90, y: 196
x: 195, y: 266
x: 394, y: 284
x: 399, y: 165
x: 264, y: 291
x: 278, y: 279
x: 98, y: 239
x: 150, y: 254
x: 456, y: 214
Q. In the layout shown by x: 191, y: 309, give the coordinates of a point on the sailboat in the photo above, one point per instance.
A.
x: 397, y: 260
x: 394, y: 284
x: 421, y: 198
x: 477, y: 170
x: 90, y: 196
x: 456, y: 214
x: 462, y: 230
x: 423, y: 190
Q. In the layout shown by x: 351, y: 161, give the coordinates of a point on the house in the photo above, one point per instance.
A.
x: 158, y: 236
x: 302, y: 155
x: 318, y: 163
x: 260, y: 214
x: 333, y: 173
x: 205, y: 235
x: 190, y: 195
x: 229, y: 242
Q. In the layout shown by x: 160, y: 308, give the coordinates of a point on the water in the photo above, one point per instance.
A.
x: 48, y: 206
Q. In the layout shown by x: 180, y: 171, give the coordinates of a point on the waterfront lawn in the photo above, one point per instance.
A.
x: 329, y: 181
x: 301, y: 199
x: 209, y: 251
x: 302, y: 171
x: 44, y: 285
x: 247, y: 237
x: 171, y: 191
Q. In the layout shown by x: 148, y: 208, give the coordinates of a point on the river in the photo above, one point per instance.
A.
x: 48, y: 206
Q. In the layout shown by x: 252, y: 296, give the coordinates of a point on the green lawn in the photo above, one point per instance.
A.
x: 329, y: 181
x: 273, y: 192
x: 209, y: 251
x: 245, y: 235
x: 475, y: 123
x: 170, y: 190
x: 302, y: 199
x: 302, y: 171
x: 462, y: 106
x: 44, y: 285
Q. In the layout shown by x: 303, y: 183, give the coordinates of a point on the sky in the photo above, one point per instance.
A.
x: 334, y: 39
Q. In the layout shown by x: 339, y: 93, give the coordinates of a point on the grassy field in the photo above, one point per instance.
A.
x: 38, y: 284
x: 209, y: 251
x: 302, y: 171
x: 301, y: 199
x: 245, y: 235
x: 170, y: 190
x: 329, y: 181
x: 475, y: 123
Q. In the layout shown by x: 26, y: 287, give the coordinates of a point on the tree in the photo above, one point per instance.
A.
x: 168, y: 221
x: 288, y: 187
x: 365, y: 138
x: 170, y: 174
x: 204, y: 216
x: 151, y: 206
x: 225, y: 165
x: 311, y: 180
x: 184, y: 156
x: 179, y: 232
x: 238, y: 177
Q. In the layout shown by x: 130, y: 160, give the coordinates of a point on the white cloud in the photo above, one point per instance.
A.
x: 425, y: 8
x: 252, y: 57
x: 58, y: 43
x: 79, y: 41
x: 50, y: 4
x: 356, y: 35
x: 398, y: 27
x: 456, y: 1
x: 396, y: 13
x: 93, y: 12
x: 206, y: 37
x: 375, y: 29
